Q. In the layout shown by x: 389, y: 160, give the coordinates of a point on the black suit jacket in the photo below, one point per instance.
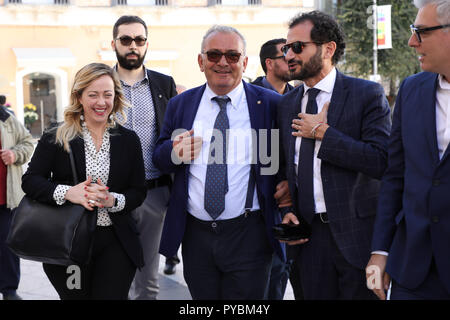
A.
x: 162, y: 88
x: 50, y: 166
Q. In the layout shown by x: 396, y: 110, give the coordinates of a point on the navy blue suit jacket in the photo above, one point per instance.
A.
x: 413, y: 220
x: 181, y: 112
x: 354, y: 157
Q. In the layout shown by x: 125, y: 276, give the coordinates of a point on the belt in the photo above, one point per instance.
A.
x: 226, y: 222
x: 158, y: 182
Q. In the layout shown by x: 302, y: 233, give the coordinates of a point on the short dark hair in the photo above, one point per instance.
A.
x: 127, y: 20
x: 325, y: 29
x: 2, y: 100
x: 269, y: 50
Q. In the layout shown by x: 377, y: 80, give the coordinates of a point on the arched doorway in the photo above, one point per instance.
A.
x: 39, y: 96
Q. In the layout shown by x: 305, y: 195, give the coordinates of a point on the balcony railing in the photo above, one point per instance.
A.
x: 40, y: 2
x: 234, y: 2
x: 142, y: 3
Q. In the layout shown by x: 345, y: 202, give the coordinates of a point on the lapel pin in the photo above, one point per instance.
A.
x: 258, y: 102
x: 160, y: 96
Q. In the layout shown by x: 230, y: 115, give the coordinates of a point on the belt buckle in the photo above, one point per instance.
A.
x: 323, y: 219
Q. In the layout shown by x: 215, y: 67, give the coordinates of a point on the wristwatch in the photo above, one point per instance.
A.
x: 116, y: 202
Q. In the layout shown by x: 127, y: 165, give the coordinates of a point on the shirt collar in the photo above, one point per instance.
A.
x: 326, y: 84
x: 235, y: 95
x: 443, y: 84
x: 145, y: 75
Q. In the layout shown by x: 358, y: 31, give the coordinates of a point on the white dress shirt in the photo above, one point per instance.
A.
x: 238, y: 155
x: 443, y: 115
x: 326, y: 86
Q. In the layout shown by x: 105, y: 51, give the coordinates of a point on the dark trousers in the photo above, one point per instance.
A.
x: 430, y: 289
x: 325, y: 273
x: 230, y: 261
x: 9, y: 262
x: 279, y: 275
x: 107, y: 277
x: 293, y: 256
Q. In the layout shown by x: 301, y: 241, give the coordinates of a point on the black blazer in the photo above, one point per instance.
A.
x: 50, y: 166
x: 162, y: 88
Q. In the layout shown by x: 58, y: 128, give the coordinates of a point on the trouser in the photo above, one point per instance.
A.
x: 279, y: 275
x: 227, y: 259
x: 107, y: 277
x: 9, y: 262
x: 325, y: 273
x: 149, y: 221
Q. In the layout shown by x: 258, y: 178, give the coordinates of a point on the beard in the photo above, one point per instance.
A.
x: 283, y: 76
x: 130, y: 64
x: 310, y: 69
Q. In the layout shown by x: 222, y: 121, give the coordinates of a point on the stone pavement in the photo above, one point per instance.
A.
x: 34, y: 284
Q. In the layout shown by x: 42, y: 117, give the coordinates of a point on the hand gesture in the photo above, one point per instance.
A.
x: 186, y: 147
x: 98, y: 195
x: 77, y: 194
x: 312, y: 126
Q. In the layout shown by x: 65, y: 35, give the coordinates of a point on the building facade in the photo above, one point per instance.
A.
x: 44, y: 42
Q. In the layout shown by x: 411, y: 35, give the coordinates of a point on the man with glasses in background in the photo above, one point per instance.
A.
x: 412, y: 230
x: 148, y: 92
x: 222, y: 207
x: 276, y: 78
x: 274, y: 66
x: 334, y: 131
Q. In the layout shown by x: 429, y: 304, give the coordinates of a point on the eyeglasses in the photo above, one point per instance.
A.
x: 296, y: 46
x: 230, y: 56
x: 127, y: 40
x: 417, y: 31
x: 277, y: 57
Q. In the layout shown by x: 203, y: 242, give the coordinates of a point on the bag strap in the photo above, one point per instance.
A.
x: 72, y: 164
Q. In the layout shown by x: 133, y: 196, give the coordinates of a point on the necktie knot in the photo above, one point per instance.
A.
x: 222, y: 101
x: 312, y: 93
x: 311, y: 106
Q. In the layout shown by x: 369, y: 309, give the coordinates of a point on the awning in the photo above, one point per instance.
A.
x: 55, y: 57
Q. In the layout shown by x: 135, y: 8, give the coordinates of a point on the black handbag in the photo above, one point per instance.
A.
x: 53, y: 234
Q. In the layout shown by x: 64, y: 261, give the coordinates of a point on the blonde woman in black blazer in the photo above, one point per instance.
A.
x: 108, y: 158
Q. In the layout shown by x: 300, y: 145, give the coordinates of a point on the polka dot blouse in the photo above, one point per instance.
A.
x: 97, y: 166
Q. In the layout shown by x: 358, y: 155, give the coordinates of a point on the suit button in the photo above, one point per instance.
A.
x: 435, y: 219
x: 436, y: 182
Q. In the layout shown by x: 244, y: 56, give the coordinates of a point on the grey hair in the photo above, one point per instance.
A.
x: 223, y: 29
x: 442, y: 9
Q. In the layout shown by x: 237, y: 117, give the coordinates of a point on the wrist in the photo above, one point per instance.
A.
x: 320, y: 131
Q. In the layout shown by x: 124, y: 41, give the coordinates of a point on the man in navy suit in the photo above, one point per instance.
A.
x: 412, y: 231
x: 334, y: 132
x: 222, y: 205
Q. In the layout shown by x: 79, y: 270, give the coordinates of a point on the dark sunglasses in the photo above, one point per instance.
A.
x: 215, y: 56
x: 127, y: 40
x: 417, y: 31
x: 296, y: 46
x: 277, y: 57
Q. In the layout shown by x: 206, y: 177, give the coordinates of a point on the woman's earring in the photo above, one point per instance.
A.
x: 111, y: 119
x: 82, y: 118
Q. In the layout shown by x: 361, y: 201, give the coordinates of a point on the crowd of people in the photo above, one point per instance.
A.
x: 164, y: 167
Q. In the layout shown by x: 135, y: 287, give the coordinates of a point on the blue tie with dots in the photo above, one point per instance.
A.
x: 216, y: 183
